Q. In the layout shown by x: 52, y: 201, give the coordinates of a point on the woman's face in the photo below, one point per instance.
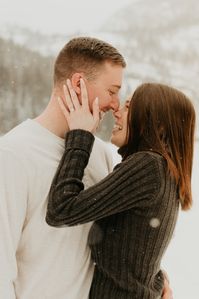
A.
x: 119, y: 131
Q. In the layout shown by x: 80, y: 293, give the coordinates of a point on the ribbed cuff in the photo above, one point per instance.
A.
x: 79, y: 139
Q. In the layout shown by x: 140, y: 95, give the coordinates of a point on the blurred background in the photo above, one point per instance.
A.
x: 160, y: 41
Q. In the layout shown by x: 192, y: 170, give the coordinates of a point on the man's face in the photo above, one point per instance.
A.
x: 106, y: 86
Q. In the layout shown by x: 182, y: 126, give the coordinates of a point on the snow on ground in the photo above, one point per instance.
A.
x: 181, y: 260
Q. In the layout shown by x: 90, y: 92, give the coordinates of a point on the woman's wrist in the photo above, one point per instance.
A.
x: 79, y: 139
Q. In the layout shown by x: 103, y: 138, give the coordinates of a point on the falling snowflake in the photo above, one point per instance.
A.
x: 154, y: 222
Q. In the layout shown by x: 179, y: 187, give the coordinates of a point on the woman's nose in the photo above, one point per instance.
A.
x: 117, y: 113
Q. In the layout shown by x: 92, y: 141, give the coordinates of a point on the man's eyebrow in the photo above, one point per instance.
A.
x: 117, y: 86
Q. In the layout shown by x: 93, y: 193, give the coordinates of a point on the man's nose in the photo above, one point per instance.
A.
x: 115, y: 104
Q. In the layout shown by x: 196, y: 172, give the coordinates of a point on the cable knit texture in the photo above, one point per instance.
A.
x: 134, y: 210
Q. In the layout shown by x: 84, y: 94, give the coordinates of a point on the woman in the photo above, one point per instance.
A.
x: 135, y: 208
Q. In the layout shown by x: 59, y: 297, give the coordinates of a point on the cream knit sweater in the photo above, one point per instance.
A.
x: 38, y: 261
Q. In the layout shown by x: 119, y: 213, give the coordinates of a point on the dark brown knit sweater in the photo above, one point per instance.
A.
x: 134, y: 210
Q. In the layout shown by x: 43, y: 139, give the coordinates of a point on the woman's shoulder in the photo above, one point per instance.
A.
x: 149, y: 162
x: 147, y: 156
x: 143, y: 161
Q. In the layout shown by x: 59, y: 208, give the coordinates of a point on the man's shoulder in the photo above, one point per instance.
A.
x: 15, y: 134
x: 13, y: 143
x: 101, y: 146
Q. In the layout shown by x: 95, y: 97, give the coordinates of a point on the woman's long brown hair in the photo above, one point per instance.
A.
x: 162, y: 119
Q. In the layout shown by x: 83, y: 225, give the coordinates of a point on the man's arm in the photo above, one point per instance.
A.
x: 13, y: 198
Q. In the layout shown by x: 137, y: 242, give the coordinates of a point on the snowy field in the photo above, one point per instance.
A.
x: 181, y: 260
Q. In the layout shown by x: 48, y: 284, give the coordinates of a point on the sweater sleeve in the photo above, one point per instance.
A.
x: 133, y: 183
x: 13, y: 198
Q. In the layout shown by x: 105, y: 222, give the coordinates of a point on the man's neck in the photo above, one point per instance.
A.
x: 52, y: 119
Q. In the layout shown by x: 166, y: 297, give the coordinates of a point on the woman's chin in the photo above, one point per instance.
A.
x: 114, y: 140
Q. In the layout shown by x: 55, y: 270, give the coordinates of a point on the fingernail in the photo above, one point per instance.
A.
x: 97, y: 100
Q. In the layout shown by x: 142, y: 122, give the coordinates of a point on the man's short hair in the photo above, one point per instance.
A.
x: 87, y: 55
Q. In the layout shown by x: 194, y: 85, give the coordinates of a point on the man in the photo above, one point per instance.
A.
x: 36, y: 260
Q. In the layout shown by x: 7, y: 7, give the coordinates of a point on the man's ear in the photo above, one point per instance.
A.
x: 75, y: 81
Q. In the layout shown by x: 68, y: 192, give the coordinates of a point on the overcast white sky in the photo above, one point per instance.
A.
x: 59, y: 16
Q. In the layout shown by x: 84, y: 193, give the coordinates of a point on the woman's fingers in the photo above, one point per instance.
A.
x: 84, y: 94
x: 63, y: 108
x: 96, y: 111
x: 73, y: 95
x: 68, y: 99
x: 79, y: 115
